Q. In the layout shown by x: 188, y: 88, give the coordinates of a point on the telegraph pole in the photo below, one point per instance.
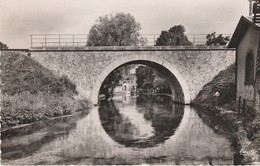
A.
x: 250, y: 7
x: 256, y: 11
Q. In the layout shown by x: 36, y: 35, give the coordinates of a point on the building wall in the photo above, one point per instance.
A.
x: 128, y: 87
x: 129, y: 82
x: 257, y: 85
x: 248, y: 43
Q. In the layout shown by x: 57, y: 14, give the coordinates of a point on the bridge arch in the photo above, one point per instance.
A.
x: 177, y: 78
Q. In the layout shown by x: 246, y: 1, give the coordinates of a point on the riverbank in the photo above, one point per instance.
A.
x: 30, y: 92
x: 219, y: 96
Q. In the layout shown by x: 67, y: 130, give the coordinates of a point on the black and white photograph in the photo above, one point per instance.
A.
x: 130, y: 82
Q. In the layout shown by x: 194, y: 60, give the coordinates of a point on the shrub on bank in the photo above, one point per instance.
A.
x: 68, y: 84
x: 224, y: 83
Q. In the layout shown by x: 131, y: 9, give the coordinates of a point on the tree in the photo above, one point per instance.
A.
x: 113, y: 79
x: 173, y: 37
x: 110, y: 82
x: 116, y: 30
x: 220, y: 40
x: 144, y: 76
x: 150, y: 79
x: 3, y: 46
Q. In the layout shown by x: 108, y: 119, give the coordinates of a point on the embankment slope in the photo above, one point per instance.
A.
x: 30, y: 92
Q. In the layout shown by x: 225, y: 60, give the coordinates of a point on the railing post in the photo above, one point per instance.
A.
x: 31, y: 41
x: 153, y: 40
x: 45, y: 40
x: 194, y: 40
x: 73, y: 39
x: 59, y: 40
x: 86, y: 39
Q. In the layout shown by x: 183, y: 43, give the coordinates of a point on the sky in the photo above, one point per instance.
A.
x: 19, y: 18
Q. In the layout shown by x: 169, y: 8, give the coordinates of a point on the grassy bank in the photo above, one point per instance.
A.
x: 244, y: 126
x: 30, y: 92
x: 224, y: 83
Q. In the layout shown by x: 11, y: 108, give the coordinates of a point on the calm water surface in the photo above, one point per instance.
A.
x: 125, y: 130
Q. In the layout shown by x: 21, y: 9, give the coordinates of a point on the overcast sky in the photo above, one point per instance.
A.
x: 19, y: 18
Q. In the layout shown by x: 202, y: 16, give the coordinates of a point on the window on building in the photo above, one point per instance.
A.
x: 249, y: 69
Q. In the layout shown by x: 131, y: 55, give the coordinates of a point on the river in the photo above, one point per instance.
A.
x: 125, y: 130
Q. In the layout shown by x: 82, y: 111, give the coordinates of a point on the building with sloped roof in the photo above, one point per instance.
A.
x: 246, y: 40
x: 129, y: 83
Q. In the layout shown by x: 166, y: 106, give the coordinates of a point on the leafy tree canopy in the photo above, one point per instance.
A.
x: 149, y: 78
x: 175, y: 36
x: 116, y: 30
x: 3, y: 46
x: 144, y: 76
x: 220, y: 40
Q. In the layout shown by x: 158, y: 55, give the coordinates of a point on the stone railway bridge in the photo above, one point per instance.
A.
x: 187, y: 69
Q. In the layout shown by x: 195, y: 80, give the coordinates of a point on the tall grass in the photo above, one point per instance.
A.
x: 26, y: 107
x: 68, y: 84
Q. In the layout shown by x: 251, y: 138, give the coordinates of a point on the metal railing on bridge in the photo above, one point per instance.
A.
x: 80, y: 40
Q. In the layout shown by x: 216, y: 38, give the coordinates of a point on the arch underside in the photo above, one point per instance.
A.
x: 179, y: 88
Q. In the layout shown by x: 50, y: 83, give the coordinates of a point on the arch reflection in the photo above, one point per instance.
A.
x: 140, y: 121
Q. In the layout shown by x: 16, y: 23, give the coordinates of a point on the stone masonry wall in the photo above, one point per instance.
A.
x: 197, y: 66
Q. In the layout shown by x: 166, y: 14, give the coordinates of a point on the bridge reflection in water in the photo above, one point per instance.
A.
x: 130, y: 130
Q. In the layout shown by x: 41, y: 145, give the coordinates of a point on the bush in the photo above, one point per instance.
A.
x: 224, y: 83
x: 68, y: 84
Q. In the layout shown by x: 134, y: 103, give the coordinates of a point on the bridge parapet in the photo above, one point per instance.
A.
x: 80, y: 40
